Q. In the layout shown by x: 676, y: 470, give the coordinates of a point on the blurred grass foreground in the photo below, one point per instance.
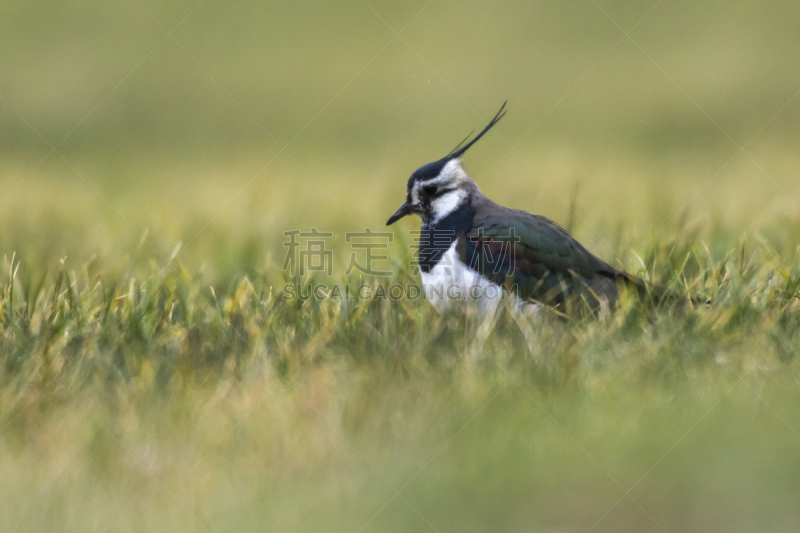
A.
x: 153, y: 158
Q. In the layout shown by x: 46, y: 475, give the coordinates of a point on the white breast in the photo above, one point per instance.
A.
x: 452, y: 281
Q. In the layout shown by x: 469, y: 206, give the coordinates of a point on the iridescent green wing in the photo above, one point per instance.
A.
x: 534, y: 257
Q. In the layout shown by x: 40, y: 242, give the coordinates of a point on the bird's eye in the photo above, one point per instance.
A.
x: 429, y: 190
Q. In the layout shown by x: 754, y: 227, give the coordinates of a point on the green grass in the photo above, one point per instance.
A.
x: 153, y: 379
x: 150, y: 399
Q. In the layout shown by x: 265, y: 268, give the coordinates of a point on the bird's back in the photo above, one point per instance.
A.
x: 535, y: 257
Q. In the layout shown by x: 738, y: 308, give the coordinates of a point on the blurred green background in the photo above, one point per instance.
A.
x: 132, y: 132
x: 642, y: 107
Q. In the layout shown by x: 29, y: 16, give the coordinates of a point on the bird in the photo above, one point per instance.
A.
x: 473, y: 248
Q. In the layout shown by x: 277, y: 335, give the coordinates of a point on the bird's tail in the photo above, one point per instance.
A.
x: 658, y: 294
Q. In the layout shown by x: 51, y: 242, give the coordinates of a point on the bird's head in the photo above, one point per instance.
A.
x: 437, y: 189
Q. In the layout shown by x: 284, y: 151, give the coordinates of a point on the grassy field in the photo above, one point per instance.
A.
x: 154, y: 378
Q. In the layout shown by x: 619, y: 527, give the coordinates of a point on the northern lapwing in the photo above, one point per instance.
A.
x: 472, y: 248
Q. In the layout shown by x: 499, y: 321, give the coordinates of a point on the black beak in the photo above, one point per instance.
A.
x: 403, y: 210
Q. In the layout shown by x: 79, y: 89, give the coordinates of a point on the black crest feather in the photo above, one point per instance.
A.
x: 459, y: 150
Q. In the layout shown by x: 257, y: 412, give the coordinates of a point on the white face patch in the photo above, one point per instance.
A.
x: 447, y: 203
x: 452, y: 176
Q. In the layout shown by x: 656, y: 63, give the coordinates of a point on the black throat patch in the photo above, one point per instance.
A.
x: 436, y: 239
